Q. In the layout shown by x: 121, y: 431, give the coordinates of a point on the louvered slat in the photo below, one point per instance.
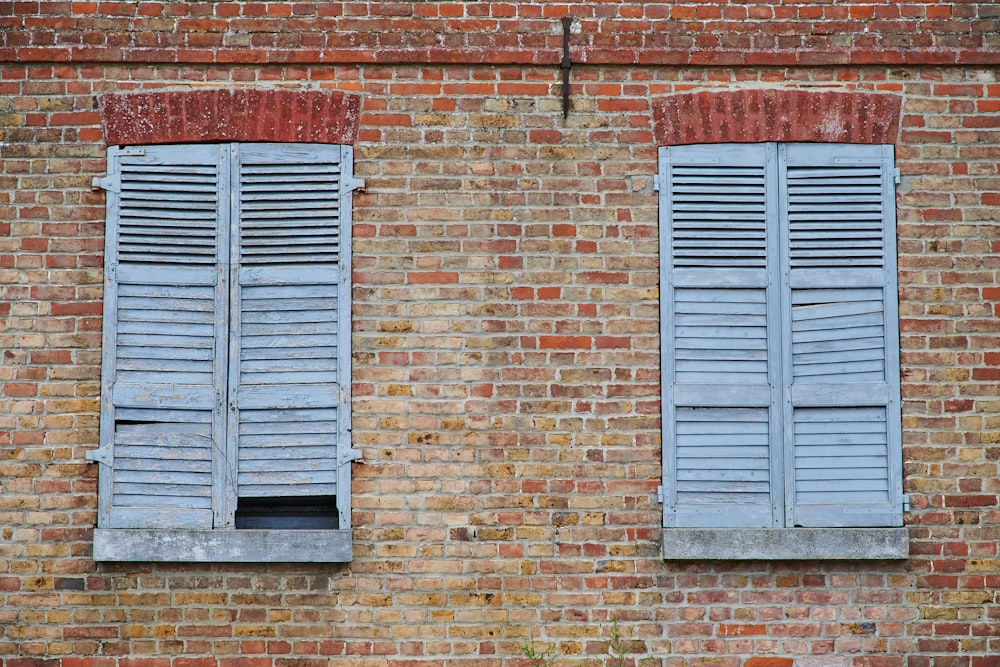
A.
x: 718, y: 216
x: 722, y: 451
x: 838, y: 341
x: 720, y: 336
x: 166, y: 331
x: 168, y: 213
x: 288, y: 385
x: 290, y: 206
x: 835, y: 216
x: 841, y: 456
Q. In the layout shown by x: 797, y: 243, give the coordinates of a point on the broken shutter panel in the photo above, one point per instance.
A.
x: 164, y: 303
x: 842, y: 362
x: 287, y: 364
x: 716, y: 303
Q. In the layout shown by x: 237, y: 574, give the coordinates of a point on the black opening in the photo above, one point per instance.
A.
x: 302, y: 512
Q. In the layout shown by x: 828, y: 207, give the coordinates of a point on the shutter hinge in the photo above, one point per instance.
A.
x: 658, y: 182
x: 111, y: 183
x: 896, y: 176
x: 346, y: 453
x: 349, y: 184
x: 100, y: 455
x: 349, y: 455
x: 906, y: 502
x: 659, y: 495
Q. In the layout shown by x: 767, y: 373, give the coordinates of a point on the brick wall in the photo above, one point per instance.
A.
x: 682, y: 32
x: 506, y: 354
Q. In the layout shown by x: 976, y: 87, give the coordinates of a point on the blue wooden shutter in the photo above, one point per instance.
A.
x: 841, y: 362
x: 164, y: 343
x: 717, y: 312
x: 290, y: 359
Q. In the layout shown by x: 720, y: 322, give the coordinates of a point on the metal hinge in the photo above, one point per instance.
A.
x: 896, y: 176
x: 659, y: 495
x: 906, y: 502
x: 346, y: 453
x: 100, y: 455
x: 350, y: 184
x: 110, y: 183
x: 349, y: 455
x: 658, y: 182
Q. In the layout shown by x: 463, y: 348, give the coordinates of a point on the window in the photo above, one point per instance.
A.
x: 780, y: 351
x: 225, y: 424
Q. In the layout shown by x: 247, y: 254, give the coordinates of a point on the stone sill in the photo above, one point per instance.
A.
x: 785, y: 544
x: 222, y: 545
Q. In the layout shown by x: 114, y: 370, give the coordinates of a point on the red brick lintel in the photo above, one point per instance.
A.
x: 327, y: 117
x: 750, y: 116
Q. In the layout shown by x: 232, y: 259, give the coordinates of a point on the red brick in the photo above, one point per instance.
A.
x: 20, y: 389
x: 776, y: 115
x: 741, y: 629
x: 223, y: 115
x: 565, y: 342
x: 970, y: 501
x: 418, y: 277
x: 80, y: 308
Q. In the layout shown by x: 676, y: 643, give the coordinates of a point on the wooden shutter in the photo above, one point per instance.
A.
x: 717, y: 309
x: 164, y: 355
x: 290, y: 358
x: 841, y: 363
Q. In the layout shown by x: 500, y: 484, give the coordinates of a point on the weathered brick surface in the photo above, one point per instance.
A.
x: 805, y: 32
x: 506, y: 358
x: 219, y: 114
x: 755, y: 115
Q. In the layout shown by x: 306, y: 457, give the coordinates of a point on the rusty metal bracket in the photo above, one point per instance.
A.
x: 567, y: 64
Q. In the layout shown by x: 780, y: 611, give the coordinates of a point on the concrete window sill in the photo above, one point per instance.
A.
x: 785, y: 544
x: 222, y: 545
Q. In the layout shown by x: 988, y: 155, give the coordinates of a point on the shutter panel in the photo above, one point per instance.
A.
x: 163, y: 337
x: 716, y: 303
x: 841, y: 367
x: 289, y: 356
